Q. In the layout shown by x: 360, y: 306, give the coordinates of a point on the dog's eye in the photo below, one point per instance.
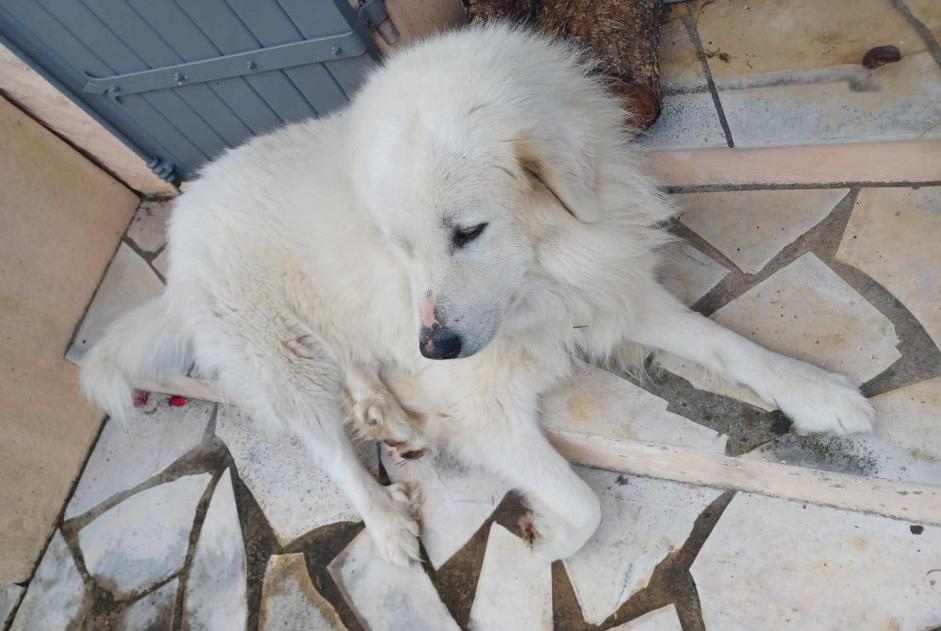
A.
x: 462, y: 236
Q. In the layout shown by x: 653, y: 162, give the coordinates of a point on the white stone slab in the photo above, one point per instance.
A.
x: 751, y: 227
x: 388, y: 597
x: 289, y: 601
x: 456, y: 500
x: 806, y: 311
x: 905, y: 444
x: 514, y: 591
x: 663, y: 619
x: 687, y: 121
x: 137, y: 448
x: 689, y: 273
x: 148, y: 229
x: 893, y: 236
x: 9, y: 597
x: 55, y: 595
x: 642, y: 520
x: 296, y: 495
x: 598, y: 403
x: 153, y: 611
x: 776, y: 564
x: 144, y: 539
x: 129, y: 282
x: 216, y: 589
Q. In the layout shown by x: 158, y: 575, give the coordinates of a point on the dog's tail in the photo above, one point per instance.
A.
x: 147, y: 342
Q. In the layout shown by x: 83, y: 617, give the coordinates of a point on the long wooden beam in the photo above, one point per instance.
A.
x: 914, y: 161
x: 916, y: 503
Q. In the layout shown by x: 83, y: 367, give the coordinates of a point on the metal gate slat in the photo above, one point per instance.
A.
x: 135, y: 33
x: 226, y: 31
x: 63, y: 47
x: 189, y: 42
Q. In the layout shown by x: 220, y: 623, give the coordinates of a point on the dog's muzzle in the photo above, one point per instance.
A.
x: 439, y: 342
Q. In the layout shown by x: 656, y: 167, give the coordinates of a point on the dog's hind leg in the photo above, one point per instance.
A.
x: 284, y: 377
x: 376, y: 414
x: 815, y: 399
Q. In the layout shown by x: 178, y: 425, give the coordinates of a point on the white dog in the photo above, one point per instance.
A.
x: 477, y: 202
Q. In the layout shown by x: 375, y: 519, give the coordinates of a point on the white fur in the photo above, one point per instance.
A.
x: 303, y: 263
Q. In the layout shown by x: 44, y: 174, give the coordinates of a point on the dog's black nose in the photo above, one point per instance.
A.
x: 439, y: 343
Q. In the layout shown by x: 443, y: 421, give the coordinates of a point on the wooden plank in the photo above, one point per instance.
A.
x: 917, y: 503
x: 876, y: 162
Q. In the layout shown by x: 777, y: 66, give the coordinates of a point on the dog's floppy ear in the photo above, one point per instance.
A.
x: 563, y: 167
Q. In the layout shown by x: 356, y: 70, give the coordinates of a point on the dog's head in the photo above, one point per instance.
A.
x: 469, y: 162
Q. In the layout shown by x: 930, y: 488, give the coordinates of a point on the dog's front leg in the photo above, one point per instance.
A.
x: 377, y: 414
x: 508, y: 440
x: 815, y: 399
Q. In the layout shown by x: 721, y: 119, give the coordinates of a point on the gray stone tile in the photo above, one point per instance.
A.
x: 792, y: 74
x: 153, y: 612
x: 893, y: 236
x: 642, y: 520
x: 905, y: 444
x: 9, y: 598
x: 900, y: 101
x: 148, y: 229
x: 137, y: 448
x: 388, y: 597
x: 456, y: 500
x: 55, y: 595
x: 143, y: 540
x: 688, y: 120
x: 707, y: 381
x: 777, y: 564
x: 663, y: 619
x: 289, y: 600
x: 689, y: 273
x: 751, y: 227
x: 806, y: 311
x: 129, y: 282
x: 216, y: 588
x: 598, y: 403
x: 514, y: 592
x: 161, y: 262
x: 294, y: 493
x: 929, y: 13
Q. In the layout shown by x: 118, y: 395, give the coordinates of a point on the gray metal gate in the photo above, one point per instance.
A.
x: 181, y: 80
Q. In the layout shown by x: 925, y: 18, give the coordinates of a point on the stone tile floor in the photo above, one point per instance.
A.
x: 187, y: 517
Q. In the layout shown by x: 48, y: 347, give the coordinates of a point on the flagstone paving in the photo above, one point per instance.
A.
x: 190, y: 516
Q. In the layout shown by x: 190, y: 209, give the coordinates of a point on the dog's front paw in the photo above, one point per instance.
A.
x: 823, y: 401
x: 393, y: 523
x: 381, y: 418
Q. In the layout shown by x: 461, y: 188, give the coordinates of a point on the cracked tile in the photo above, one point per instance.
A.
x: 216, y: 590
x: 55, y: 595
x: 148, y: 229
x: 144, y: 539
x: 893, y: 236
x: 456, y: 500
x: 826, y: 569
x: 751, y: 227
x: 805, y: 310
x: 791, y: 73
x: 928, y: 12
x: 289, y: 600
x: 663, y: 619
x: 129, y: 282
x: 387, y: 597
x: 137, y: 448
x: 598, y: 403
x: 9, y: 597
x: 514, y: 592
x: 153, y: 612
x: 295, y: 494
x: 642, y: 521
x: 905, y: 444
x: 689, y: 273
